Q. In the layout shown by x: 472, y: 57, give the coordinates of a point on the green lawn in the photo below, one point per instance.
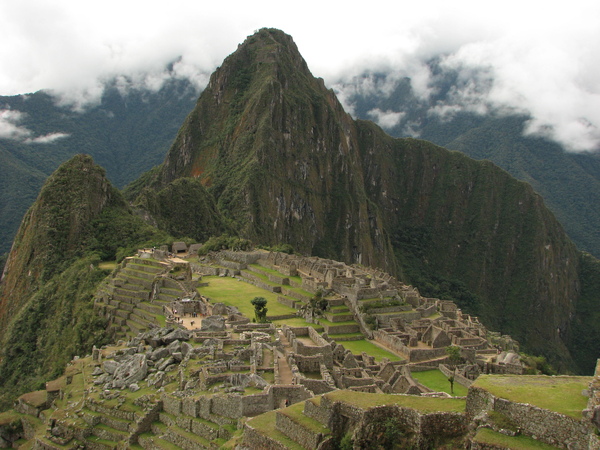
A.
x: 424, y: 404
x: 438, y: 382
x: 488, y: 436
x: 237, y: 293
x: 357, y: 347
x: 561, y: 394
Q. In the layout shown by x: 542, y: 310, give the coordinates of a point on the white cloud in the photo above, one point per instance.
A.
x: 9, y: 125
x: 10, y: 129
x: 386, y: 119
x: 46, y: 139
x: 542, y: 55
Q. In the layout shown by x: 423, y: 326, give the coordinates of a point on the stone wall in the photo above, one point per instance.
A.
x: 255, y: 439
x: 303, y: 436
x: 546, y: 426
x: 457, y: 377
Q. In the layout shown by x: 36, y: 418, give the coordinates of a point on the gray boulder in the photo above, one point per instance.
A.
x: 177, y: 334
x: 110, y: 366
x: 130, y: 371
x: 213, y: 323
x: 219, y: 309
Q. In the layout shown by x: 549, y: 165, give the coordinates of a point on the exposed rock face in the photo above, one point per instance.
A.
x: 130, y: 371
x: 213, y: 323
x: 285, y: 163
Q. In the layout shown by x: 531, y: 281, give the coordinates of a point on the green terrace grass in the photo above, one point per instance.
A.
x: 357, y: 347
x: 438, y: 382
x: 265, y: 423
x: 558, y: 394
x: 295, y: 412
x: 233, y: 292
x: 108, y: 265
x: 424, y: 404
x: 270, y: 271
x: 489, y: 436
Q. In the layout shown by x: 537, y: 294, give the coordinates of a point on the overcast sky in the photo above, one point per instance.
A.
x: 542, y: 56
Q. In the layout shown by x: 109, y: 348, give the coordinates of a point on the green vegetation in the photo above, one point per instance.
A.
x: 489, y: 436
x: 424, y: 404
x: 57, y: 323
x: 438, y: 382
x: 260, y: 309
x: 559, y: 394
x: 453, y: 352
x: 224, y: 242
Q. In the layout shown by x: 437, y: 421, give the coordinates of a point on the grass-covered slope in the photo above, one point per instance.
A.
x: 52, y: 271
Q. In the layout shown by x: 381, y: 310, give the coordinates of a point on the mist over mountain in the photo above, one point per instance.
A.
x: 127, y: 133
x: 456, y: 113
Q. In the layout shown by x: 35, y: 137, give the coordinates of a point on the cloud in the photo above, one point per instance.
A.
x: 9, y: 125
x: 386, y: 119
x: 46, y: 139
x: 10, y: 129
x: 540, y: 57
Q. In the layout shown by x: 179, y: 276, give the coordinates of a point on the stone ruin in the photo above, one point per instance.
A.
x: 204, y: 380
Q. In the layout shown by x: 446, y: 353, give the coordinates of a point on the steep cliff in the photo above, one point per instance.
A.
x: 286, y: 164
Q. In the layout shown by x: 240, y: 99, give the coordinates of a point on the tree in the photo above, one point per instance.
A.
x: 260, y: 309
x: 316, y: 306
x: 453, y: 352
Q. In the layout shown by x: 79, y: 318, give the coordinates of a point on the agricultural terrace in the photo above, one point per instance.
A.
x: 561, y: 394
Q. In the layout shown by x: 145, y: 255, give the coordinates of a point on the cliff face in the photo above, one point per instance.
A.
x: 280, y: 156
x: 286, y: 164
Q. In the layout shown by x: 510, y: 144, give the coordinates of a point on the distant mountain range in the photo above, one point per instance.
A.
x: 129, y: 132
x: 569, y: 182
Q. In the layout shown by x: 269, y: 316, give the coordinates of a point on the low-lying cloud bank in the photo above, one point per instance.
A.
x: 525, y: 57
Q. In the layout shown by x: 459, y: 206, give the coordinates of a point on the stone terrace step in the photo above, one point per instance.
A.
x: 172, y: 292
x: 133, y: 271
x: 94, y: 442
x: 152, y: 308
x: 151, y: 441
x: 339, y: 317
x: 136, y: 326
x: 304, y: 430
x: 340, y: 328
x: 142, y: 295
x: 46, y: 444
x: 108, y: 433
x: 277, y: 278
x: 186, y: 440
x: 260, y: 432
